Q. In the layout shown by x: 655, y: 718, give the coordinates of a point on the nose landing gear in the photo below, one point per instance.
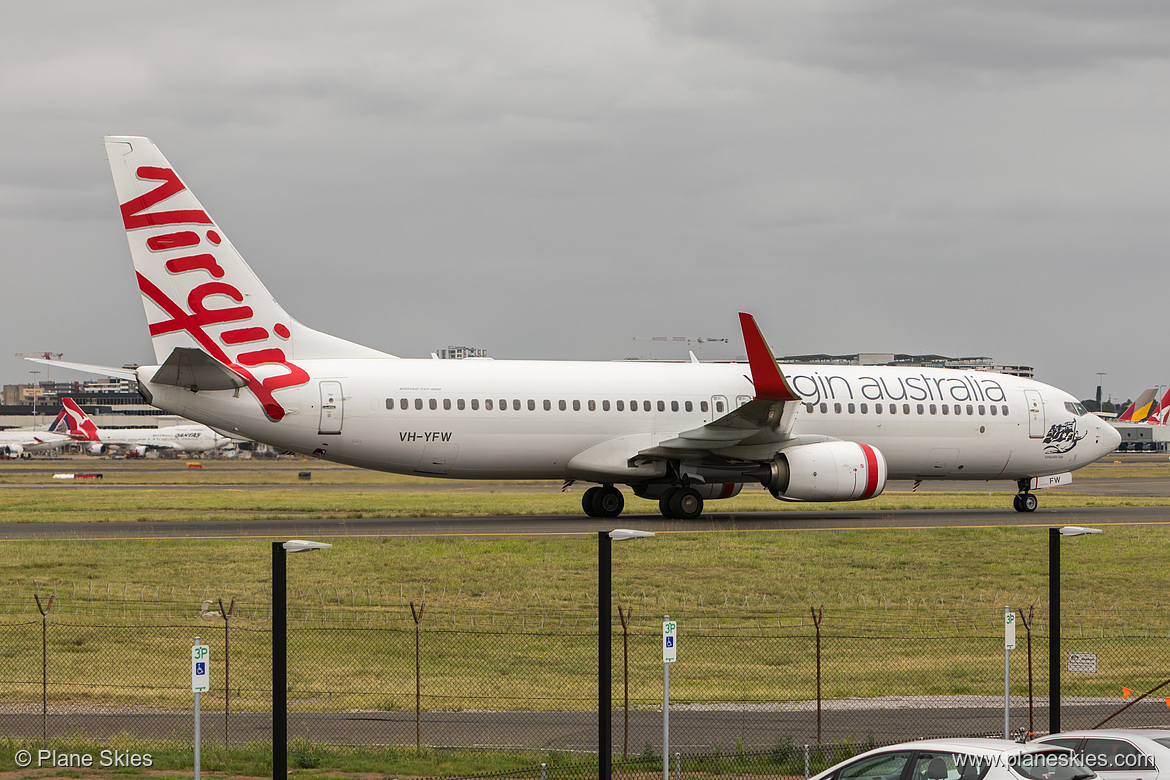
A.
x: 1025, y: 500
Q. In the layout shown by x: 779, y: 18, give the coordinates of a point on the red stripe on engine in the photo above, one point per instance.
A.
x: 871, y: 466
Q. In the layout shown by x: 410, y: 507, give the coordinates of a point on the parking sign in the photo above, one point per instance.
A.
x: 669, y: 642
x: 200, y: 674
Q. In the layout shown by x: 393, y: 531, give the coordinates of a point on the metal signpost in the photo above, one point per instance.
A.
x: 200, y: 682
x: 669, y: 656
x: 1009, y: 644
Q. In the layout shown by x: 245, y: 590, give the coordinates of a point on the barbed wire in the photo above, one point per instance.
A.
x: 515, y: 611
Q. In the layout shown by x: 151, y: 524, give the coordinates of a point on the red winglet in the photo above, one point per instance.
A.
x: 771, y: 385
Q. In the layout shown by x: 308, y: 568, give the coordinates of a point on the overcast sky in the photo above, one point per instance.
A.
x: 551, y: 179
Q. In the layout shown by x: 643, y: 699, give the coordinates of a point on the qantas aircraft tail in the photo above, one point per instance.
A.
x: 212, y: 322
x: 77, y: 423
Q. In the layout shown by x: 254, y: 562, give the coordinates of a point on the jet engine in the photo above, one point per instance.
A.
x: 824, y: 471
x: 11, y: 451
x: 97, y: 448
x: 137, y: 452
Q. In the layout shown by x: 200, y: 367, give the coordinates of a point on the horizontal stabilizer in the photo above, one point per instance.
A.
x: 196, y: 370
x: 88, y: 368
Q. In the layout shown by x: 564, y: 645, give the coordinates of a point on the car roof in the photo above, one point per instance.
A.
x: 1147, y: 733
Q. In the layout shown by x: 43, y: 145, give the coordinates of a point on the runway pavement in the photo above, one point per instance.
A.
x: 553, y: 525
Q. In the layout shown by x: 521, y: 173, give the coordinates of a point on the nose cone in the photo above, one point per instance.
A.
x: 1108, y: 438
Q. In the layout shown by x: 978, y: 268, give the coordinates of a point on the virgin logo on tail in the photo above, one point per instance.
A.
x: 181, y: 256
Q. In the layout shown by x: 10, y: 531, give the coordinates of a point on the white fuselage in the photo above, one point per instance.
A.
x: 176, y: 438
x: 494, y: 419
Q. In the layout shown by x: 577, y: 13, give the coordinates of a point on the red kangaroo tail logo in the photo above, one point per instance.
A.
x: 189, y: 258
x: 80, y: 426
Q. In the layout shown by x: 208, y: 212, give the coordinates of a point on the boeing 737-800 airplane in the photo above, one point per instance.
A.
x: 230, y: 357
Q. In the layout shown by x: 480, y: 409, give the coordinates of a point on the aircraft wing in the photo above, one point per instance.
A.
x: 754, y: 430
x: 88, y: 368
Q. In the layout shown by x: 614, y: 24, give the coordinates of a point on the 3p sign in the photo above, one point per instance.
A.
x: 200, y: 674
x: 669, y: 642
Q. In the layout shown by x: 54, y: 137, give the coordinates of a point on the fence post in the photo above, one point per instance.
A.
x: 817, y: 619
x: 44, y: 610
x: 227, y: 671
x: 625, y: 618
x: 417, y: 676
x: 1027, y: 621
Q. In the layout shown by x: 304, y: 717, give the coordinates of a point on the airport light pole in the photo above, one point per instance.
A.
x: 280, y: 651
x: 1054, y: 657
x: 605, y: 645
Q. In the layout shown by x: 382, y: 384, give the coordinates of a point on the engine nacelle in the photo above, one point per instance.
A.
x: 137, y: 452
x: 97, y: 448
x: 11, y: 451
x: 712, y: 491
x: 825, y: 471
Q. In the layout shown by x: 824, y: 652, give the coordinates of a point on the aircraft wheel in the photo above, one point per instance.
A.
x: 609, y: 502
x: 664, y: 504
x: 1029, y: 502
x: 1016, y: 502
x: 686, y: 504
x: 589, y: 501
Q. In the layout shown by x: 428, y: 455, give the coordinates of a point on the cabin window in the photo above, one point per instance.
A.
x: 994, y: 410
x: 633, y: 406
x: 958, y: 408
x: 475, y: 404
x: 487, y: 404
x: 946, y: 409
x: 418, y: 403
x: 877, y: 408
x: 970, y: 409
x: 865, y: 408
x: 460, y: 404
x: 548, y: 405
x: 719, y: 407
x: 982, y: 410
x: 1003, y: 410
x: 921, y: 409
x: 605, y: 406
x: 432, y: 403
x: 851, y: 408
x: 577, y: 405
x: 531, y: 405
x: 447, y: 404
x: 893, y: 408
x: 933, y: 409
x: 592, y: 405
x: 688, y: 406
x: 646, y: 406
x: 808, y: 408
x: 661, y: 406
x: 837, y: 408
x: 905, y: 408
x: 621, y: 406
x: 824, y: 408
x: 702, y: 406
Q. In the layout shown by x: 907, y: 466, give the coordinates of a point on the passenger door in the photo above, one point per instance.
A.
x: 331, y: 409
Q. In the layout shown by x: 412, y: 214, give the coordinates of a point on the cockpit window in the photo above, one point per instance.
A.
x: 1078, y: 409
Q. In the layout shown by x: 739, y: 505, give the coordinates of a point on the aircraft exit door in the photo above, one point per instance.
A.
x: 1036, y: 427
x: 331, y: 408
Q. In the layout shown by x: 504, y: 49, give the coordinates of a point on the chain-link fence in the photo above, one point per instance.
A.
x: 506, y: 673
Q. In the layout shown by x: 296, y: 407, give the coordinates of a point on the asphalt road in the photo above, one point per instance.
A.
x: 842, y: 520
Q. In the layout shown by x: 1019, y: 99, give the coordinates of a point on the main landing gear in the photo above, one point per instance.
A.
x: 681, y: 503
x: 1025, y: 501
x: 603, y: 501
